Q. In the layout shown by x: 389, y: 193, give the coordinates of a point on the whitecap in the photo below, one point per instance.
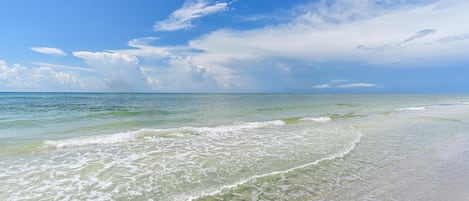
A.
x: 317, y: 119
x: 91, y: 140
x: 411, y: 109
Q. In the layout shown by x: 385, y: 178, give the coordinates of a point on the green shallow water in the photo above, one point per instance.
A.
x: 212, y: 146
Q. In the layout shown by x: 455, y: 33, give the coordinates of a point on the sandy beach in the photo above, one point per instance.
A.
x: 441, y: 174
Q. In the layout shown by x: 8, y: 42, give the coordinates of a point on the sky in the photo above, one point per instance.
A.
x: 305, y: 46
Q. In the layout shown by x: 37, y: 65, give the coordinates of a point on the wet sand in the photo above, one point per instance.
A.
x: 441, y: 174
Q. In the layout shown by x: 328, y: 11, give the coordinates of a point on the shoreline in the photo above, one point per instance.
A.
x: 440, y: 174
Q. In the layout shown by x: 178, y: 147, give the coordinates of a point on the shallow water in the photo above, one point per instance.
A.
x: 212, y: 146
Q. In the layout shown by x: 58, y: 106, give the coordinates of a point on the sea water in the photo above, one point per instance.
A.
x: 123, y: 146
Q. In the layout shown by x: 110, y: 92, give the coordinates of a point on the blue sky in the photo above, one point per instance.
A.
x: 335, y: 46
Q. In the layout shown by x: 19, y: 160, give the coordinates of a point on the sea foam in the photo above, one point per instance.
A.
x: 317, y: 119
x: 92, y: 140
x: 410, y: 109
x: 145, y: 132
x: 340, y: 154
x: 151, y: 133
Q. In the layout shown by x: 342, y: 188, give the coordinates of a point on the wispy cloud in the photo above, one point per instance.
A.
x: 419, y: 34
x: 182, y: 18
x: 141, y: 47
x: 63, y: 67
x: 322, y: 86
x: 49, y: 50
x: 357, y: 85
x: 464, y: 36
x: 415, y: 36
x: 335, y: 84
x: 336, y: 81
x: 306, y: 39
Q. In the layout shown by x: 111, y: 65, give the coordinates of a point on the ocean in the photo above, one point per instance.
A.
x: 131, y: 146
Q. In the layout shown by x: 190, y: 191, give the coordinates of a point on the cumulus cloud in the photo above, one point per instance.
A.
x: 49, y: 50
x: 182, y: 18
x: 42, y: 78
x: 357, y: 85
x: 174, y: 69
x: 182, y: 75
x: 120, y: 71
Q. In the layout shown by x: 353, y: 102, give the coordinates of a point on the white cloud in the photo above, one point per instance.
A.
x: 464, y: 36
x: 182, y: 75
x: 49, y: 50
x: 43, y: 78
x: 335, y: 36
x: 357, y: 85
x: 182, y: 18
x: 388, y: 47
x: 322, y: 32
x: 141, y: 48
x: 419, y: 34
x: 120, y: 71
x: 322, y: 86
x: 338, y: 31
x: 177, y: 71
x: 63, y: 67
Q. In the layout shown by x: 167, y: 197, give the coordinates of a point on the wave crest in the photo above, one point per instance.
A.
x: 150, y: 133
x: 411, y: 109
x: 142, y: 133
x: 317, y: 119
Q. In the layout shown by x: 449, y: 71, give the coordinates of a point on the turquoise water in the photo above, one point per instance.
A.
x: 212, y: 146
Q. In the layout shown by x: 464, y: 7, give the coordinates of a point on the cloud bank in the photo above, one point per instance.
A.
x: 43, y: 78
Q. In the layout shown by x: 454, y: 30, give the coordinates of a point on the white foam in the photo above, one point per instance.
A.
x: 142, y: 133
x: 91, y: 140
x: 341, y: 154
x: 233, y: 128
x: 317, y: 119
x: 411, y: 109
